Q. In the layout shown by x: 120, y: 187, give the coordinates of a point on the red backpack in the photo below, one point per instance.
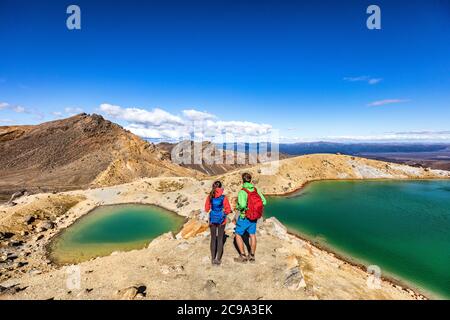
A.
x: 254, y: 204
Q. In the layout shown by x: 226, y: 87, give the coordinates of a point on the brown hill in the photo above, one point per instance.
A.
x: 228, y: 160
x: 77, y: 152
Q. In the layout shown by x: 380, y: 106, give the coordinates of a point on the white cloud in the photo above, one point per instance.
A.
x: 18, y: 109
x: 419, y: 136
x: 160, y: 124
x: 374, y: 80
x: 239, y: 127
x: 164, y: 133
x: 67, y: 112
x: 195, y: 115
x: 71, y: 111
x: 368, y: 79
x: 386, y: 101
x: 57, y: 114
x: 36, y: 114
x: 15, y: 108
x: 155, y: 117
x: 6, y: 121
x: 425, y: 132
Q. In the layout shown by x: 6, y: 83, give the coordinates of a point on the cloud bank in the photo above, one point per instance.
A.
x: 191, y: 124
x: 68, y: 112
x: 15, y: 108
x: 406, y: 136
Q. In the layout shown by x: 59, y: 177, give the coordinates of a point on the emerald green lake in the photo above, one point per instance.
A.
x: 401, y: 226
x: 112, y: 228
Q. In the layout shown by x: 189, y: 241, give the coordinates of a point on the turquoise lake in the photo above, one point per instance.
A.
x: 112, y: 228
x: 401, y: 226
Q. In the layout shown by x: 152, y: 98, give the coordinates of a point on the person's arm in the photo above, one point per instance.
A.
x: 207, y: 204
x: 226, y: 206
x: 242, y: 201
x: 264, y: 201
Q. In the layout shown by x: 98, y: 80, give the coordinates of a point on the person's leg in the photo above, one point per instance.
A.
x: 240, y: 244
x: 241, y: 227
x: 220, y: 235
x: 253, y: 243
x: 239, y: 231
x: 252, y: 232
x: 213, y: 245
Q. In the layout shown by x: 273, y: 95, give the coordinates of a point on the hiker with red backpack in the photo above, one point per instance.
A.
x: 218, y: 207
x: 250, y: 207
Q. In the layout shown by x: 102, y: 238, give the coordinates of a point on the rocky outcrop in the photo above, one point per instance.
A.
x: 132, y: 293
x: 25, y: 228
x: 192, y: 228
x: 17, y: 195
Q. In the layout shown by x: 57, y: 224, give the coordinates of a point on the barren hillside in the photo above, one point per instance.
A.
x: 77, y: 152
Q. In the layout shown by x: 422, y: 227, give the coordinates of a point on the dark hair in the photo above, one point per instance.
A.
x: 216, y: 184
x: 246, y: 177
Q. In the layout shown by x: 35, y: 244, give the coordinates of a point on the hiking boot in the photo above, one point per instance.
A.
x: 251, y: 258
x: 241, y: 259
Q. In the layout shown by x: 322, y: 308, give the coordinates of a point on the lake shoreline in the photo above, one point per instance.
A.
x: 345, y: 258
x: 55, y: 237
x: 348, y: 258
x: 306, y: 183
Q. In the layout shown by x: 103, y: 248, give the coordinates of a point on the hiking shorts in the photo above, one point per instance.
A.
x: 243, y: 225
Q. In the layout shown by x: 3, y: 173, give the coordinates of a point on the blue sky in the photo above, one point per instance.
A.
x: 310, y: 69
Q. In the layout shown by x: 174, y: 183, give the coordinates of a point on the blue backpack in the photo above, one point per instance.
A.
x: 217, y: 216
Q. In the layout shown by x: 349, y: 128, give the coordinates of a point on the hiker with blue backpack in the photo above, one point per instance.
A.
x: 250, y: 206
x: 218, y: 207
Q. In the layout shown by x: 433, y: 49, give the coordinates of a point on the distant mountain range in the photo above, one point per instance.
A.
x: 433, y: 155
x: 359, y: 148
x: 302, y: 148
x: 228, y: 162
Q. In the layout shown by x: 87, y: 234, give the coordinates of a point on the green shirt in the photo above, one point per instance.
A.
x: 242, y: 198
